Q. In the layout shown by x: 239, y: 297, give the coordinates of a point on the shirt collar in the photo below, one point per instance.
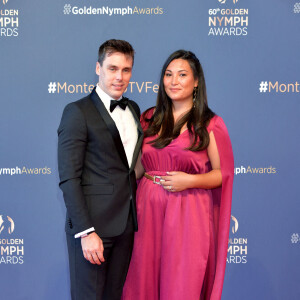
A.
x: 104, y: 97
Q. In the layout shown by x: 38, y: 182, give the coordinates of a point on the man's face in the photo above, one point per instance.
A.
x: 114, y: 74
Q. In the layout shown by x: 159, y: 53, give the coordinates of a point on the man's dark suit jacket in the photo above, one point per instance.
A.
x: 97, y: 183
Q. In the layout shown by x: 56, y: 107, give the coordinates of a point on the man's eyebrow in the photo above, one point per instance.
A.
x: 114, y: 66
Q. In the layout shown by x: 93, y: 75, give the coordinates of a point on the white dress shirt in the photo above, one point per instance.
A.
x: 127, y: 127
x: 125, y: 123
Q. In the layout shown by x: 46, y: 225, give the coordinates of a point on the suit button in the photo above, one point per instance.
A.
x: 70, y: 223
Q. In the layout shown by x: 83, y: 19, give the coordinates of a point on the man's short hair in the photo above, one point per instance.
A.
x: 112, y: 46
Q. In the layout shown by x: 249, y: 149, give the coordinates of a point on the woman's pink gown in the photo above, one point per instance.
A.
x: 181, y: 244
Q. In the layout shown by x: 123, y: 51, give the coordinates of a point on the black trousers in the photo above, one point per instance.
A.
x: 104, y: 282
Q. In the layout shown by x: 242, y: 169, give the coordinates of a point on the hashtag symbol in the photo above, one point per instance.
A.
x: 297, y: 8
x: 67, y: 9
x: 263, y: 86
x: 52, y: 87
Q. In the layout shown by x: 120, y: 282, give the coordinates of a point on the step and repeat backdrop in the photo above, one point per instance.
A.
x: 250, y: 54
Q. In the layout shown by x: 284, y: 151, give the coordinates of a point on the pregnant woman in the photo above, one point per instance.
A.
x: 184, y: 196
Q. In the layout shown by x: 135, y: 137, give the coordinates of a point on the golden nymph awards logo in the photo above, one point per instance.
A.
x: 11, y: 250
x: 228, y: 21
x: 237, y: 247
x: 9, y: 21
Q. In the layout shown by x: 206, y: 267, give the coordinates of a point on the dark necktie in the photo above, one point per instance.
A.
x: 122, y: 103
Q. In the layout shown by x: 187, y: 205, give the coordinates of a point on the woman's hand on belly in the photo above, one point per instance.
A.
x: 177, y: 181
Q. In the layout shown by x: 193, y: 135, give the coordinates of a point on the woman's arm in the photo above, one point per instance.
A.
x: 139, y: 169
x: 179, y: 181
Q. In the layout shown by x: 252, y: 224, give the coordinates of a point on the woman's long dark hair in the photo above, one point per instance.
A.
x: 197, y: 118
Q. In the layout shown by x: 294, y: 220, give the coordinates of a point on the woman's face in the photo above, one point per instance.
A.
x: 179, y: 81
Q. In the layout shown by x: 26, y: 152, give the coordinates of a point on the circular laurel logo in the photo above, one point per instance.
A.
x: 7, y: 226
x: 295, y: 238
x: 235, y: 226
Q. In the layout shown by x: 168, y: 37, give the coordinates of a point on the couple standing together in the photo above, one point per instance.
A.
x: 168, y: 239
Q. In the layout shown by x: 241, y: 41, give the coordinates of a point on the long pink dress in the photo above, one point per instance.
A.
x: 181, y: 245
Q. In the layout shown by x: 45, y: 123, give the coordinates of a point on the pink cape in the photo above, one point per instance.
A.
x: 222, y: 197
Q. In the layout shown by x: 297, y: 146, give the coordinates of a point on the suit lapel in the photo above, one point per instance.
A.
x: 110, y: 125
x: 140, y: 137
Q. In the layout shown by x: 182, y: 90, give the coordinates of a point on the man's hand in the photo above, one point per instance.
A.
x: 92, y: 248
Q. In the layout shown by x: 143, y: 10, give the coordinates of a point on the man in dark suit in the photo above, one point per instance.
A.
x: 99, y: 139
